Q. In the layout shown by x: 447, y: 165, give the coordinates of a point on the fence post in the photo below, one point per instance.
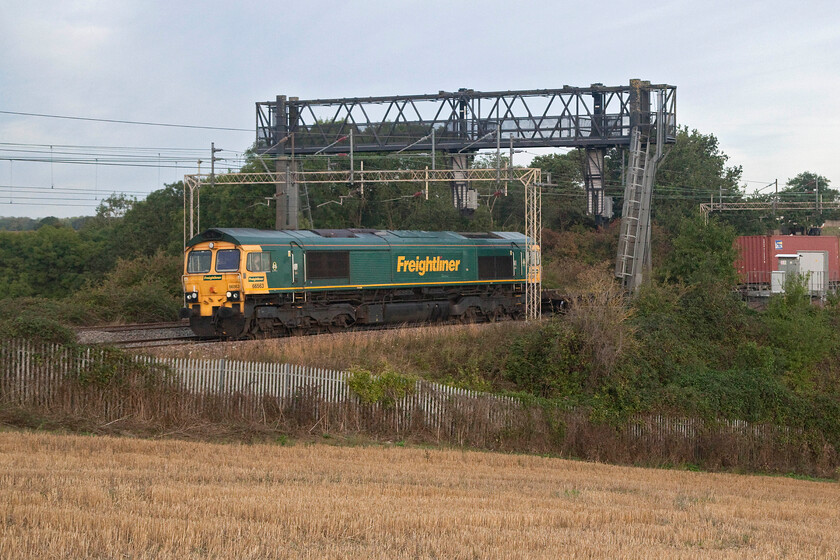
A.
x: 222, y: 376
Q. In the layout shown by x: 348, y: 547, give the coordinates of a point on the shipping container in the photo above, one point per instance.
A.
x: 758, y: 255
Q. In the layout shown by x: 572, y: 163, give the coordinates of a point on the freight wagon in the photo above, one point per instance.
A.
x: 249, y: 283
x: 765, y: 260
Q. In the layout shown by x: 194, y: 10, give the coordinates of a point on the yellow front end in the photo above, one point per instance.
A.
x: 213, y: 297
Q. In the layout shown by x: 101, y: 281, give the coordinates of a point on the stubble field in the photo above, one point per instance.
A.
x: 65, y: 496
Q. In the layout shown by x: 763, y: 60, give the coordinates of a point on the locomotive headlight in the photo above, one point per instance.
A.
x: 228, y: 295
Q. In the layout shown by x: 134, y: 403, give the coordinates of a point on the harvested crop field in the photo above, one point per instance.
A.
x: 67, y: 496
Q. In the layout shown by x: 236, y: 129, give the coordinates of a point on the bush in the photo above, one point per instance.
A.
x: 751, y: 395
x: 600, y: 315
x: 386, y: 388
x: 802, y: 333
x: 548, y: 361
x: 145, y: 289
x: 702, y: 254
x: 35, y: 327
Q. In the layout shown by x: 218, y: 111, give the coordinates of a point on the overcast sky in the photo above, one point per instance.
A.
x: 764, y: 77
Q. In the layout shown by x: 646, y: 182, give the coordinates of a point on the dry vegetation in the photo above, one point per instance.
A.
x: 101, y: 497
x: 455, y: 352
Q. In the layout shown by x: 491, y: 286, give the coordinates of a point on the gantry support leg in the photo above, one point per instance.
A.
x: 287, y: 195
x: 464, y: 197
x: 593, y: 179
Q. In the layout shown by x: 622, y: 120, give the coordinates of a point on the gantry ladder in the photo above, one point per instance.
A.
x: 634, y: 236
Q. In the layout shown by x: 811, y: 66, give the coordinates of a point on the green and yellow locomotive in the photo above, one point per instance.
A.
x: 249, y: 283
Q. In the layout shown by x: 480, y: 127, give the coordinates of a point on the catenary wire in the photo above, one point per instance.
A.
x: 120, y: 121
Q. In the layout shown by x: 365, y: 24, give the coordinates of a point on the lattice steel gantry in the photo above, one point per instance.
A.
x: 593, y: 118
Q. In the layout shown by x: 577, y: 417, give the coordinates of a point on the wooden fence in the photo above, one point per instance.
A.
x: 54, y: 377
x: 109, y: 387
x: 430, y: 405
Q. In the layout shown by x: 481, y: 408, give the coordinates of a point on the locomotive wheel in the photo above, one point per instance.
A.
x: 339, y: 324
x: 469, y: 316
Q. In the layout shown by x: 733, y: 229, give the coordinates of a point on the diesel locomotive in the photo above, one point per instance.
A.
x: 251, y: 283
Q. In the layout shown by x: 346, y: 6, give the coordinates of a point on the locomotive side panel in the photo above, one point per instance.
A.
x: 370, y: 266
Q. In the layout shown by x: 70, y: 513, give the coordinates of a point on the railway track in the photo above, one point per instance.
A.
x: 151, y: 335
x: 178, y: 333
x: 140, y: 335
x: 136, y: 326
x: 157, y: 342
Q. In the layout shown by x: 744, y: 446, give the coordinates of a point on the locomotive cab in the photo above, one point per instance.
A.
x: 213, y: 297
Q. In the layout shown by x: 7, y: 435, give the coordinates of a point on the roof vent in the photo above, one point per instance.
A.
x: 479, y: 235
x: 340, y: 233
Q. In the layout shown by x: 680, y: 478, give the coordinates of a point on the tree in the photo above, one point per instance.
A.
x: 49, y: 221
x: 115, y: 206
x: 694, y: 171
x: 153, y: 224
x: 703, y: 254
x: 490, y: 161
x: 144, y: 228
x: 568, y: 199
x: 242, y: 205
x: 53, y: 261
x: 805, y: 187
x: 18, y: 224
